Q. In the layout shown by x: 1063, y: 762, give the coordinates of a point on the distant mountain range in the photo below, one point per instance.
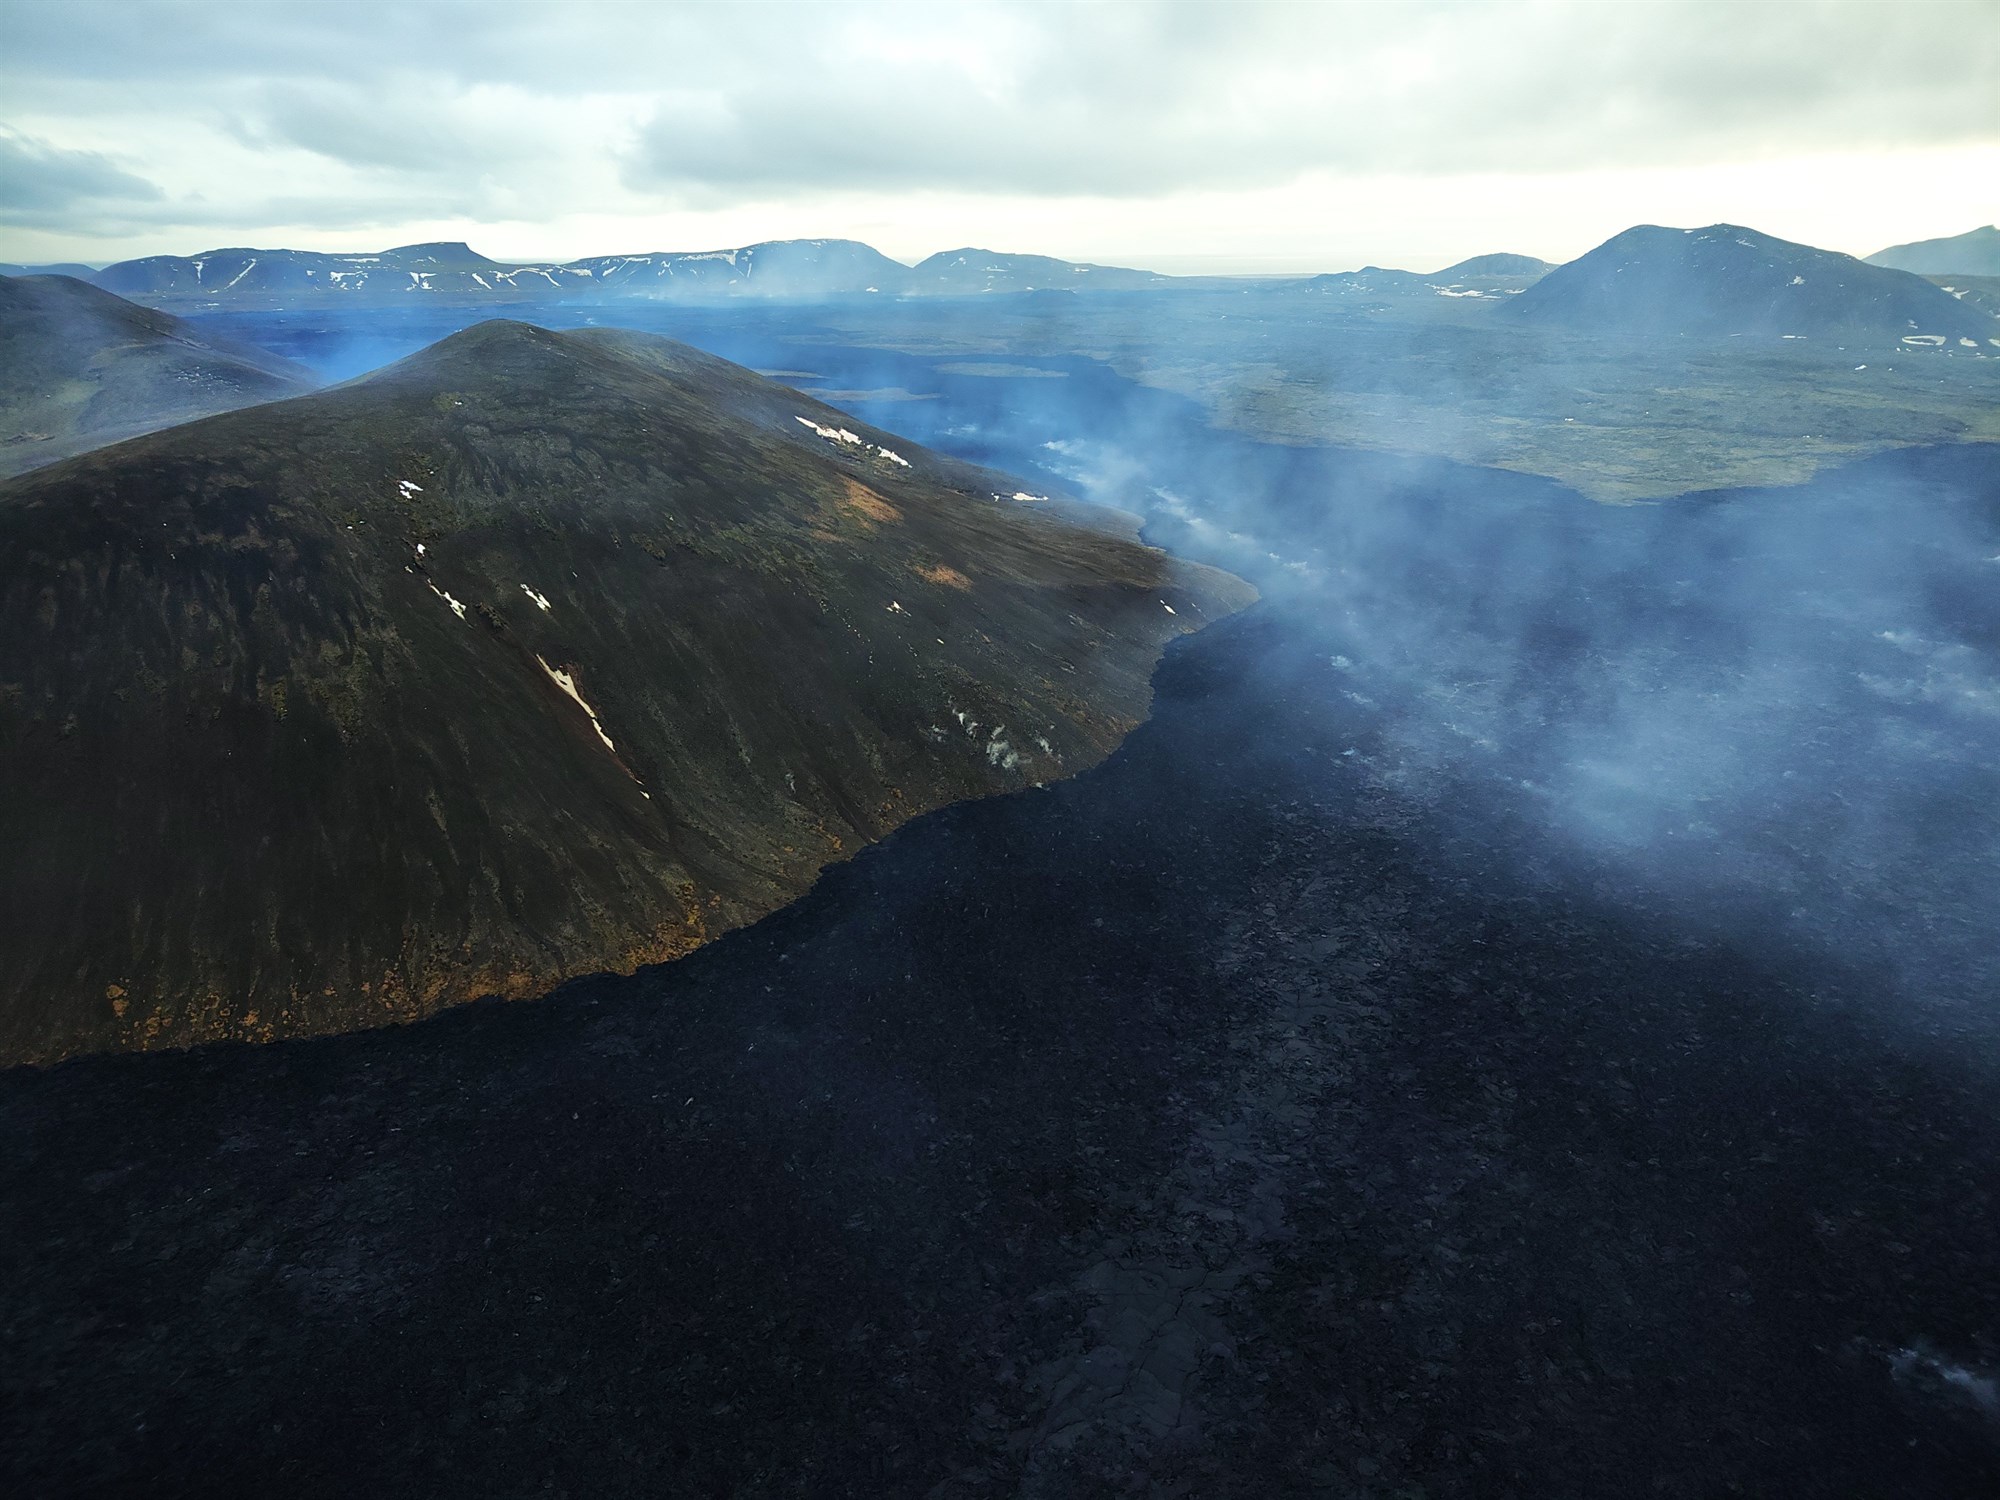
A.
x: 80, y: 367
x: 800, y: 270
x: 1727, y: 280
x: 792, y: 269
x: 548, y: 653
x: 1974, y: 253
x: 242, y: 273
x: 1716, y: 281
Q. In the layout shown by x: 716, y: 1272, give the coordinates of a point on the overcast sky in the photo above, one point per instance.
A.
x: 1177, y: 136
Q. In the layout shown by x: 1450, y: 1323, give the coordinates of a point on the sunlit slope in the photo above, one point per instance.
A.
x: 533, y: 655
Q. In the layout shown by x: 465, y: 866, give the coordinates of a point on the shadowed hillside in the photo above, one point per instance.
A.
x: 80, y: 367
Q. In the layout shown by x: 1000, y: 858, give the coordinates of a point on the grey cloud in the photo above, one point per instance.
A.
x: 343, y: 126
x: 402, y: 126
x: 926, y: 134
x: 44, y: 184
x: 745, y: 102
x: 1134, y: 102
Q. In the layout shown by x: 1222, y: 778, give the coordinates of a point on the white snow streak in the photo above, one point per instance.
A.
x: 567, y: 683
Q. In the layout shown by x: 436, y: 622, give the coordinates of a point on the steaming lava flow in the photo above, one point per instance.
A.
x: 1516, y: 1020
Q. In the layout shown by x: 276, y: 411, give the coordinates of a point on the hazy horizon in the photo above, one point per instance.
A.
x: 1168, y: 265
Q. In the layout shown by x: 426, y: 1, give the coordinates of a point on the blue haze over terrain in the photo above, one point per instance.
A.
x: 1775, y: 709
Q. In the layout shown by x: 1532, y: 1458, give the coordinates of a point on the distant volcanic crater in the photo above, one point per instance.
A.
x: 534, y: 655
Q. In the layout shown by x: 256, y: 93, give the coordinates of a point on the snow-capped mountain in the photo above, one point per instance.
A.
x: 778, y: 269
x: 438, y: 267
x: 775, y: 268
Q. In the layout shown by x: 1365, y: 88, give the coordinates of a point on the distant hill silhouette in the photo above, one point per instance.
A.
x: 1726, y: 279
x: 1974, y: 253
x: 972, y: 270
x: 58, y: 268
x: 1494, y: 265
